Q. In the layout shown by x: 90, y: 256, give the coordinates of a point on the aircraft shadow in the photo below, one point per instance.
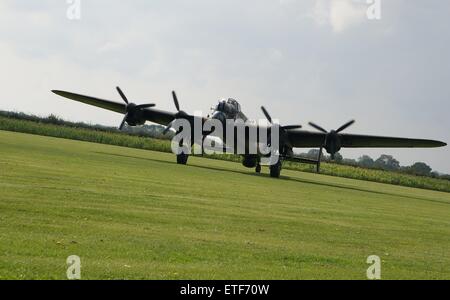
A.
x: 301, y: 180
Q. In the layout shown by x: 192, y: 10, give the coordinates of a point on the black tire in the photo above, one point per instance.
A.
x: 182, y: 159
x: 275, y: 170
x: 258, y: 169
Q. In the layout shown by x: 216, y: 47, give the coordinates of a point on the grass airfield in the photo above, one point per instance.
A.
x: 136, y: 214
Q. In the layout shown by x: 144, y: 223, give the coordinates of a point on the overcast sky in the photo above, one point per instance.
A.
x: 321, y: 61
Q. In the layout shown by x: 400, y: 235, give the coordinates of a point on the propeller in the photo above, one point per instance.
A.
x: 269, y: 118
x: 332, y: 141
x: 175, y: 100
x: 266, y: 113
x: 342, y: 128
x: 291, y: 127
x: 131, y: 108
x: 284, y: 139
x: 180, y: 113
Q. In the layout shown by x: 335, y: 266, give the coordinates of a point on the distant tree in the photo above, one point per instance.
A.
x: 420, y: 168
x: 53, y: 119
x: 435, y: 174
x: 366, y: 161
x: 338, y: 158
x: 387, y: 162
x: 445, y: 176
x: 406, y: 169
x: 312, y: 154
x: 349, y: 162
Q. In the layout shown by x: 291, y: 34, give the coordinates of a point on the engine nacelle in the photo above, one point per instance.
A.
x: 333, y: 143
x: 135, y: 117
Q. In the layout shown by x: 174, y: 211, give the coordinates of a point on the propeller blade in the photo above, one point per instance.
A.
x: 167, y: 128
x: 317, y: 127
x: 291, y: 127
x: 122, y: 95
x: 266, y: 114
x: 123, y: 121
x: 145, y: 105
x: 175, y: 100
x: 345, y: 126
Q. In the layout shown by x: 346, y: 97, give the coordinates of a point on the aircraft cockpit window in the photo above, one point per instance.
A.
x: 235, y: 104
x: 230, y: 108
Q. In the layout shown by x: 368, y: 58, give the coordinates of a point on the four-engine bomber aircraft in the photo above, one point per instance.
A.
x: 289, y: 136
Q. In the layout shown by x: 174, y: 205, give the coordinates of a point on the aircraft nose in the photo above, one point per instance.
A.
x: 218, y: 115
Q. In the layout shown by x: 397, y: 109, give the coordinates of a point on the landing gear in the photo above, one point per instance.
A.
x: 275, y: 169
x: 182, y: 159
x: 258, y: 168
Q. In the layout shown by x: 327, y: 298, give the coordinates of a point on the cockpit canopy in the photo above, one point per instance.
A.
x: 230, y: 107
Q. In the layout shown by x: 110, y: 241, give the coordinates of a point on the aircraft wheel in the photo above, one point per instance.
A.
x: 275, y: 170
x: 182, y: 159
x: 258, y: 168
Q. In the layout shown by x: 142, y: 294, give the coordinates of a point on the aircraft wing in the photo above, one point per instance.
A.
x: 307, y: 139
x: 106, y: 104
x: 150, y: 114
x: 363, y: 141
x: 297, y: 138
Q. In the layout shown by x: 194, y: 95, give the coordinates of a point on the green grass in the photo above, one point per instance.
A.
x: 84, y: 134
x: 135, y: 214
x: 381, y: 176
x: 121, y: 139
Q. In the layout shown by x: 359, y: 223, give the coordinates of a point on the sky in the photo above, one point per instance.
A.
x: 308, y: 60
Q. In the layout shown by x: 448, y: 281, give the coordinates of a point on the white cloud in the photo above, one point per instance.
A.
x: 345, y: 13
x: 321, y: 12
x: 338, y: 14
x: 110, y: 46
x: 275, y: 55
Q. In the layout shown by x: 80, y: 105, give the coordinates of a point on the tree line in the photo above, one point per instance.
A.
x: 384, y: 162
x: 154, y: 131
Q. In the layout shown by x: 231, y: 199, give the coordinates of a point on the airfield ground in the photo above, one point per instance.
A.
x: 136, y: 214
